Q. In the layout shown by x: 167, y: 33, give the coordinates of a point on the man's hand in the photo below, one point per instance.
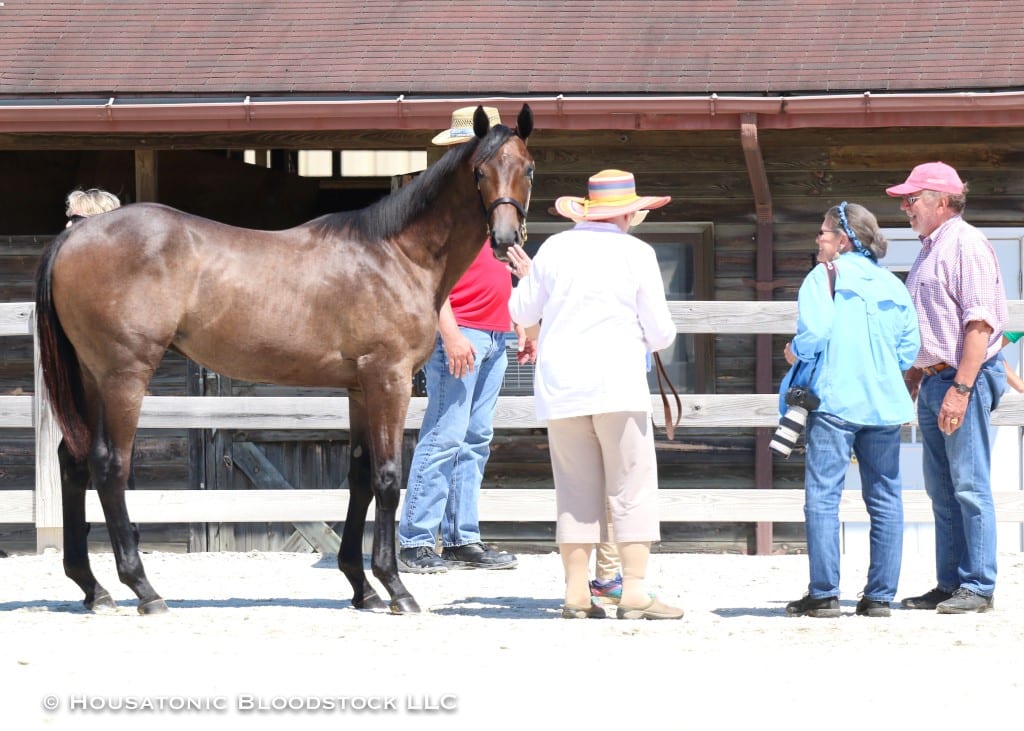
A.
x: 951, y: 415
x: 461, y: 356
x: 912, y: 380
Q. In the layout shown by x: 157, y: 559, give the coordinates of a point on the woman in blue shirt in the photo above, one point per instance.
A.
x: 856, y: 333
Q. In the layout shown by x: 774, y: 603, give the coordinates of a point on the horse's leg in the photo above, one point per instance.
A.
x: 350, y: 557
x: 74, y: 478
x: 111, y: 463
x: 386, y: 387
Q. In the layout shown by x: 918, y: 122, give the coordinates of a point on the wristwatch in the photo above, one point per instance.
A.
x: 961, y: 388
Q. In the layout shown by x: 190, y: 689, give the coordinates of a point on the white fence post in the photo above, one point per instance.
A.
x: 48, y: 509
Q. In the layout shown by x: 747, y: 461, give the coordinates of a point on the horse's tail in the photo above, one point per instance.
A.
x: 62, y: 372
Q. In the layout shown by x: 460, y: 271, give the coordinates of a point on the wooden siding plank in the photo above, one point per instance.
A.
x: 513, y: 412
x: 720, y: 505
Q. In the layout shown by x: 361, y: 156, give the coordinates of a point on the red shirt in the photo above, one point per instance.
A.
x: 480, y: 298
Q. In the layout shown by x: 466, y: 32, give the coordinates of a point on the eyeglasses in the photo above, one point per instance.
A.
x: 909, y: 200
x: 826, y: 231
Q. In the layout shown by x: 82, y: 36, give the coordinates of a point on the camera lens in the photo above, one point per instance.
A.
x: 791, y: 426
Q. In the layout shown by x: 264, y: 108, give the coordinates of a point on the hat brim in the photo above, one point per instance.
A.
x: 577, y: 209
x: 902, y: 189
x: 454, y: 136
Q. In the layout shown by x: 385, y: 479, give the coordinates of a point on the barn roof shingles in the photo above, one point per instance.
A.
x: 337, y: 47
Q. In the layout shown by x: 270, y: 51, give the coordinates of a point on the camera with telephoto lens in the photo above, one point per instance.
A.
x: 799, y: 400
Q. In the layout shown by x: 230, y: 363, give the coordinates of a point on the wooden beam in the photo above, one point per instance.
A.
x: 146, y: 176
x: 496, y: 504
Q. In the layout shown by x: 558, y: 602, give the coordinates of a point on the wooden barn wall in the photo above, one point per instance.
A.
x: 705, y: 173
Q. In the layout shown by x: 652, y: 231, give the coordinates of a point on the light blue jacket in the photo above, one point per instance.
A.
x: 858, y: 343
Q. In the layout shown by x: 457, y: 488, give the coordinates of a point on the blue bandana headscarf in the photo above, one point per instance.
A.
x: 861, y: 249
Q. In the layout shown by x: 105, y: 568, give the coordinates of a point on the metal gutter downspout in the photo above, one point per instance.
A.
x: 763, y: 474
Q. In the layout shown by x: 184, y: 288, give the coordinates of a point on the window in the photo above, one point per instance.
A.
x: 348, y: 163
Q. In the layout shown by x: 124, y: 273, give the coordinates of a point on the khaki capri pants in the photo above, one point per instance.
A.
x: 605, y: 455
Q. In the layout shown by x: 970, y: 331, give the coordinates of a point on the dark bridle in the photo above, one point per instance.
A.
x: 523, y: 129
x: 489, y: 209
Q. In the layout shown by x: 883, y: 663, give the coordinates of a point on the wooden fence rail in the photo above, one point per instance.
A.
x: 41, y: 506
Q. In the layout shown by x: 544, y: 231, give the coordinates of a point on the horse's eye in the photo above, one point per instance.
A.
x: 529, y: 173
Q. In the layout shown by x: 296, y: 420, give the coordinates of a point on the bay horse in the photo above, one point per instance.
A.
x: 347, y: 300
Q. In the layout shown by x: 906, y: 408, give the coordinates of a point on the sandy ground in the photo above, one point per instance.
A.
x: 272, y: 639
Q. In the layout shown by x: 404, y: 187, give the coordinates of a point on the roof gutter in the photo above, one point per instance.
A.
x: 114, y: 114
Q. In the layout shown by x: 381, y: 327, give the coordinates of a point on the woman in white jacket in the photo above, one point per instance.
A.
x: 598, y: 295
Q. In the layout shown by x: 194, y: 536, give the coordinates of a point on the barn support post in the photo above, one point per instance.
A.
x: 146, y: 176
x: 765, y: 286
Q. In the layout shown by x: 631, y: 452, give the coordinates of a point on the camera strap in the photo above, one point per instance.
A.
x: 831, y: 271
x: 670, y: 426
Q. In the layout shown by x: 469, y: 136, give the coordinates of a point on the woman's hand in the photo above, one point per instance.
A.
x: 519, y: 261
x: 788, y: 353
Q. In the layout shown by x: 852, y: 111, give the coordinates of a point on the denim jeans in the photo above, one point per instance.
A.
x: 447, y: 469
x: 957, y: 478
x: 830, y: 442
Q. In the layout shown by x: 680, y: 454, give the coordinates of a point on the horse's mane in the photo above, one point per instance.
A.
x: 391, y: 214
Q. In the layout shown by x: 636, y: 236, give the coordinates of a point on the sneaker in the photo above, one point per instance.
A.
x: 477, y: 556
x: 964, y: 601
x: 872, y: 608
x: 927, y: 601
x: 807, y: 607
x: 607, y: 591
x: 420, y: 560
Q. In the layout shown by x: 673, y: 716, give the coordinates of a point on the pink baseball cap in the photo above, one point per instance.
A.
x: 929, y: 176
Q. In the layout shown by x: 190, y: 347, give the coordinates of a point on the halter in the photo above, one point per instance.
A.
x: 489, y: 209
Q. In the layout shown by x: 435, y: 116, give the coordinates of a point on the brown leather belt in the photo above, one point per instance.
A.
x: 933, y: 369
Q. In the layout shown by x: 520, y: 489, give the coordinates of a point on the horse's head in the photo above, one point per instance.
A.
x: 504, y: 177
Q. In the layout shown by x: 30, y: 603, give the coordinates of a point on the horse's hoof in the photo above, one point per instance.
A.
x: 369, y: 601
x: 154, y: 606
x: 101, y: 600
x: 405, y: 605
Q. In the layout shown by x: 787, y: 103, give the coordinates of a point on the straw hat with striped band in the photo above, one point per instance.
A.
x: 462, y: 126
x: 610, y: 193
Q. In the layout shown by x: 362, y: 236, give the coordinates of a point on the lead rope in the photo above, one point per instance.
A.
x: 670, y: 426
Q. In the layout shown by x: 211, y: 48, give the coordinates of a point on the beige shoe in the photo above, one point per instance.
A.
x: 594, y: 611
x: 655, y: 610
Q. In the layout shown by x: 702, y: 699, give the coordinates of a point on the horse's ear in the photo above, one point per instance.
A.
x: 524, y: 123
x: 480, y: 122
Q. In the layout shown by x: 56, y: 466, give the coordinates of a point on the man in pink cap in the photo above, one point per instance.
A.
x: 958, y: 377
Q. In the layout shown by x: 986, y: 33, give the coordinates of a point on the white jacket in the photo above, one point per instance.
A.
x: 600, y: 299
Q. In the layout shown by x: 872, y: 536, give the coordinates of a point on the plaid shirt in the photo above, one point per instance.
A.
x: 955, y: 280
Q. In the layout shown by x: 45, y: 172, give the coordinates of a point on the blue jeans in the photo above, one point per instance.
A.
x: 957, y: 478
x: 830, y: 441
x: 447, y: 469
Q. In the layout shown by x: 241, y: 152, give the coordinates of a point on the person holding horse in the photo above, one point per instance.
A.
x: 464, y: 375
x: 84, y: 203
x: 598, y: 295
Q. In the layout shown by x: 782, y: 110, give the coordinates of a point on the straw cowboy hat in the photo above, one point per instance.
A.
x: 610, y: 193
x: 462, y: 126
